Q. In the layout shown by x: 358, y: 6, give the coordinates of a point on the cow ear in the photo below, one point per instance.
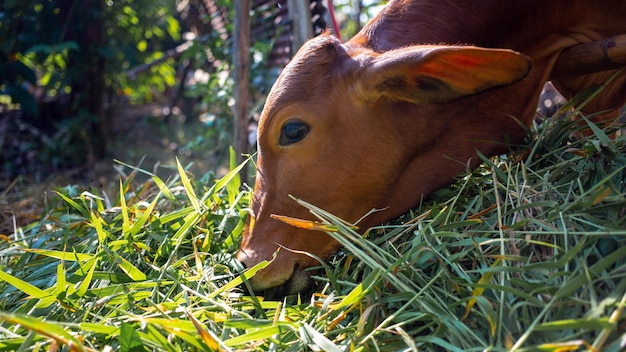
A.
x: 439, y: 74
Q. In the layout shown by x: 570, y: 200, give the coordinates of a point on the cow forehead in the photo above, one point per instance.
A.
x: 309, y: 69
x: 303, y: 85
x: 319, y: 80
x: 321, y: 50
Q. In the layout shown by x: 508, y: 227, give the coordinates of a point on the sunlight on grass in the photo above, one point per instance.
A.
x: 525, y: 253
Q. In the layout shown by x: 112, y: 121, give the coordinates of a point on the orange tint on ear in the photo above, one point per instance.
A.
x: 439, y: 74
x: 470, y: 70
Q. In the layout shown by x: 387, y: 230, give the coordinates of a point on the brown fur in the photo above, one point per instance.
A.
x: 378, y: 139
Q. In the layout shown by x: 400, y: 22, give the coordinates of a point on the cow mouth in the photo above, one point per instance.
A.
x: 300, y: 282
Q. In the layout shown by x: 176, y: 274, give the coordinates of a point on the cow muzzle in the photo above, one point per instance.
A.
x: 282, y: 277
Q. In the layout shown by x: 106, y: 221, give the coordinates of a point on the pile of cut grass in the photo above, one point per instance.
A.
x: 524, y: 253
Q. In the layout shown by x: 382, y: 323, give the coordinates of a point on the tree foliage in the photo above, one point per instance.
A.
x: 63, y: 66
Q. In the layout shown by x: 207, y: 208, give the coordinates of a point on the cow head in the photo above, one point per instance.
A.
x: 348, y: 130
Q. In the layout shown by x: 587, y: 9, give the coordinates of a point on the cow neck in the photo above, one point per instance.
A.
x: 535, y: 28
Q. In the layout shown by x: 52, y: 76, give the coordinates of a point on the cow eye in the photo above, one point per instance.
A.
x: 292, y: 132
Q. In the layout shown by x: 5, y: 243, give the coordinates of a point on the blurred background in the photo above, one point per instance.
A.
x: 85, y: 82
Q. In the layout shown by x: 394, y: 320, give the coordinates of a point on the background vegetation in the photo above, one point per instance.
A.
x: 63, y: 74
x: 69, y: 70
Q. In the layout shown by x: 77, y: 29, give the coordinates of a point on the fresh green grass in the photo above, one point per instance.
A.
x: 524, y: 253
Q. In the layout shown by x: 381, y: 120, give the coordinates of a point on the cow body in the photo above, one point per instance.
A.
x: 384, y: 119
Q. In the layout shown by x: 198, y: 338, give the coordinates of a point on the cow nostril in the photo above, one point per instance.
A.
x: 245, y: 259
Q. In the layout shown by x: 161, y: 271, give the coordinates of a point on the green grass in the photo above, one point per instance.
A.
x: 524, y: 253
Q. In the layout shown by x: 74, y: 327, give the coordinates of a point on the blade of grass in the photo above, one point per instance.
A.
x: 129, y: 338
x: 232, y: 187
x: 81, y: 209
x: 568, y: 287
x: 61, y: 285
x: 248, y: 274
x: 25, y: 287
x: 191, y: 194
x: 211, y: 341
x: 127, y: 267
x: 47, y: 329
x: 308, y: 333
x: 146, y: 214
x: 260, y: 334
x: 89, y: 267
x: 62, y: 255
x: 479, y: 289
x: 157, y: 180
x: 96, y: 222
x: 124, y: 211
x: 226, y: 179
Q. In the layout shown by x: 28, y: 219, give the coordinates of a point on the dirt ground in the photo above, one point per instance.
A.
x: 140, y: 136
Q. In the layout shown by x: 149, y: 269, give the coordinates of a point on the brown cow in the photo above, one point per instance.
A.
x: 386, y: 118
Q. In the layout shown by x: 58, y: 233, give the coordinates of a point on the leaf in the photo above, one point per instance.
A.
x: 356, y: 294
x: 256, y: 335
x: 84, y: 285
x: 573, y: 283
x: 124, y: 211
x: 24, y: 286
x: 82, y: 210
x: 157, y: 180
x: 173, y: 27
x: 207, y: 337
x: 126, y: 287
x: 222, y: 182
x: 585, y: 324
x: 97, y: 224
x: 600, y: 194
x: 129, y: 338
x: 62, y: 255
x: 99, y: 328
x: 189, y: 221
x: 307, y: 224
x: 249, y: 323
x: 45, y: 328
x: 232, y: 187
x: 485, y: 306
x: 321, y: 341
x: 61, y: 281
x: 142, y: 45
x: 157, y: 338
x: 126, y: 266
x: 89, y: 199
x: 478, y: 290
x: 191, y: 194
x: 146, y: 214
x: 574, y: 345
x: 239, y: 279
